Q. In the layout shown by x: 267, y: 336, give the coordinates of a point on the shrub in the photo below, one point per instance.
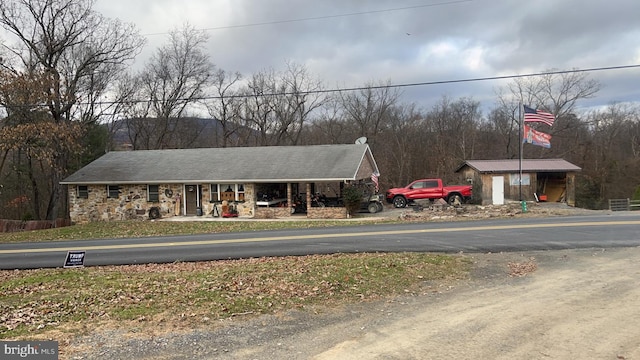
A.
x: 352, y: 196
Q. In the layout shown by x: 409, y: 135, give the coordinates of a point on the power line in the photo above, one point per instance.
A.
x: 276, y: 22
x: 389, y: 86
x: 427, y: 83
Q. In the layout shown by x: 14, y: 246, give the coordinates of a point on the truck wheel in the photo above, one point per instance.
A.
x: 373, y: 208
x: 455, y: 200
x: 399, y: 201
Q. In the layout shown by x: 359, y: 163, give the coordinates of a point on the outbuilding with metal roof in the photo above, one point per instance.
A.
x: 495, y: 181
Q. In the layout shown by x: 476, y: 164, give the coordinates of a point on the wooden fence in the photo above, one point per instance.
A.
x: 624, y: 205
x: 19, y: 225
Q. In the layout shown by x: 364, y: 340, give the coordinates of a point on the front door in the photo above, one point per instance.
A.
x: 192, y: 198
x: 498, y: 190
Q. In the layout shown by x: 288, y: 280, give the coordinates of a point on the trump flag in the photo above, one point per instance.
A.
x: 534, y: 137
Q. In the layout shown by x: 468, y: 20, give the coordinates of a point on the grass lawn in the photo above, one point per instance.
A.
x: 121, y: 229
x: 193, y: 294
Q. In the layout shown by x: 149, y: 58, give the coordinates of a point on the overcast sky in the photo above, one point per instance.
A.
x: 347, y: 43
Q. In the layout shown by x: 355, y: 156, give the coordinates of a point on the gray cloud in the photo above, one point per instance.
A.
x: 440, y: 41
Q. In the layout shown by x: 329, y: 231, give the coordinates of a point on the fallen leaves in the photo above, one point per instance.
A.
x: 190, y: 292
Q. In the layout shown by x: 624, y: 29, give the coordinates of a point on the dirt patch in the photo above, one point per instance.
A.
x: 579, y: 304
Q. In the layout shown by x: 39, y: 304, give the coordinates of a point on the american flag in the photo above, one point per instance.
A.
x: 533, y: 115
x: 374, y: 178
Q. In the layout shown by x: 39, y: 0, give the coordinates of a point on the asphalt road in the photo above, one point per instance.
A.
x: 572, y: 232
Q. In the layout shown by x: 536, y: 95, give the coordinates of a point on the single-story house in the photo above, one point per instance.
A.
x: 494, y: 181
x: 260, y: 182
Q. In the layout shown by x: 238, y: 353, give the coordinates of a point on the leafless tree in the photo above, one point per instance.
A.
x: 610, y: 159
x: 368, y: 109
x: 78, y: 52
x: 299, y: 97
x: 173, y: 80
x: 225, y: 106
x: 328, y: 127
x: 122, y: 107
x: 277, y: 105
x: 452, y: 126
x: 76, y: 47
x: 499, y: 134
x: 503, y: 122
x: 405, y: 147
x: 556, y: 92
x: 256, y: 111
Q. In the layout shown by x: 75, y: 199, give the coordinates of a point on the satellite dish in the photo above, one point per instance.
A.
x: 361, y: 140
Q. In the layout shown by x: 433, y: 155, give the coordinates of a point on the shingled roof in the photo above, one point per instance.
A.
x: 237, y: 164
x: 513, y: 165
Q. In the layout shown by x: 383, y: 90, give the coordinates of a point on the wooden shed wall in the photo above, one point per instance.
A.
x: 563, y: 189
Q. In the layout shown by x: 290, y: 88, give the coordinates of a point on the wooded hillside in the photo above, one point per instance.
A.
x: 69, y: 94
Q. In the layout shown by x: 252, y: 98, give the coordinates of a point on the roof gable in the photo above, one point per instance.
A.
x: 237, y: 164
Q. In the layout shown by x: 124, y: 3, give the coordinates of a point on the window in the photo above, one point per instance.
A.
x: 83, y: 191
x: 229, y: 192
x: 432, y: 184
x: 240, y: 192
x: 418, y: 185
x: 113, y: 191
x: 153, y: 193
x: 215, y: 192
x: 514, y: 179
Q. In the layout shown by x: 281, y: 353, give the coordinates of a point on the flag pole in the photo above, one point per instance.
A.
x: 520, y: 153
x: 520, y: 147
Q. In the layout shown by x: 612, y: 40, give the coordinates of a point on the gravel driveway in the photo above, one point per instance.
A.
x: 566, y: 304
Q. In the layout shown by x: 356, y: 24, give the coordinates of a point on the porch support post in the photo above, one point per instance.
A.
x: 308, y: 197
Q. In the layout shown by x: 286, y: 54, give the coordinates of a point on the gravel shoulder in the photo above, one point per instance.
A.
x: 578, y: 304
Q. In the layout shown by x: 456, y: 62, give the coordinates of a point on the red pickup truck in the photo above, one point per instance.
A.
x: 428, y: 189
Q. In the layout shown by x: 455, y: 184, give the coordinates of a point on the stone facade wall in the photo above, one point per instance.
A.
x: 132, y: 203
x: 272, y: 212
x: 312, y: 213
x: 327, y: 213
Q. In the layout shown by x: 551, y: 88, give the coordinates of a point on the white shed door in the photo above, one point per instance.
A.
x: 498, y: 190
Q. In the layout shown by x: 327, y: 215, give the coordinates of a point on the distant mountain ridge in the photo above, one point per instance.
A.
x: 154, y: 133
